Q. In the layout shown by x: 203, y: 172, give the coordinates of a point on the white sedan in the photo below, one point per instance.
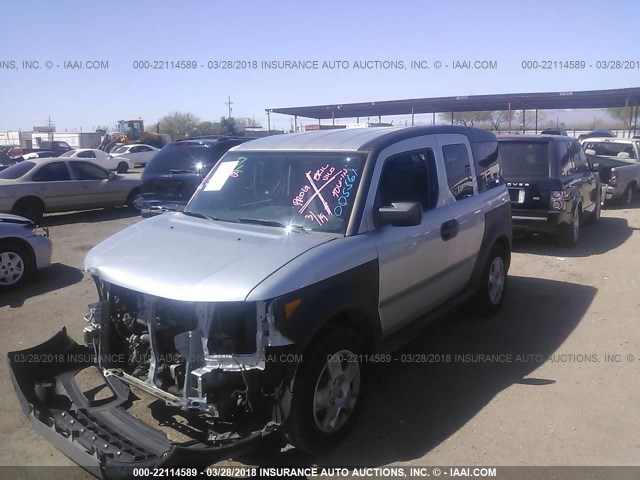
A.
x: 138, y: 153
x: 121, y: 165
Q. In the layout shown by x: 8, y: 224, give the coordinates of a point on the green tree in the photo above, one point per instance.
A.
x: 228, y: 126
x: 621, y: 114
x: 180, y: 125
x: 468, y: 119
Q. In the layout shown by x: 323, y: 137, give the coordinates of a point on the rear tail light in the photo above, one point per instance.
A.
x: 560, y: 194
x: 559, y: 197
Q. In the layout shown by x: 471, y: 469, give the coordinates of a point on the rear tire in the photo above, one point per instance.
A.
x: 570, y: 234
x: 31, y: 208
x: 594, y: 218
x: 16, y: 265
x: 493, y: 285
x: 627, y: 197
x: 327, y: 391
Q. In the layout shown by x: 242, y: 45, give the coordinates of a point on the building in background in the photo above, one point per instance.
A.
x: 33, y: 138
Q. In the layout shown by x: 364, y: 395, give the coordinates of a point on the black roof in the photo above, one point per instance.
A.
x: 471, y: 103
x: 532, y: 138
x: 208, y: 141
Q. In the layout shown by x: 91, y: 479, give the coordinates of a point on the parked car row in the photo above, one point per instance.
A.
x: 121, y: 159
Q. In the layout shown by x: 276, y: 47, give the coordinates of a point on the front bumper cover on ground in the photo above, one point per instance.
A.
x: 102, y: 437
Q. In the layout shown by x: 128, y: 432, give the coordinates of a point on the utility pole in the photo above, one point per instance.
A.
x: 228, y: 103
x: 49, y: 129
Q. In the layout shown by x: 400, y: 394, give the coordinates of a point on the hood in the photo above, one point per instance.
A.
x: 191, y: 259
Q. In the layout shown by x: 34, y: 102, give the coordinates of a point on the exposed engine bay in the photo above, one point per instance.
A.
x: 199, y: 357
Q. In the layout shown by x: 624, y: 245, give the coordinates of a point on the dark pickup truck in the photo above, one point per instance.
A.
x: 551, y: 185
x: 48, y: 148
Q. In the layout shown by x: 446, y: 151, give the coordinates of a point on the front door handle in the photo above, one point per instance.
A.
x: 449, y: 229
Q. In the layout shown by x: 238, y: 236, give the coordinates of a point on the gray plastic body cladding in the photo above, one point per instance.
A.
x: 497, y: 227
x: 353, y: 293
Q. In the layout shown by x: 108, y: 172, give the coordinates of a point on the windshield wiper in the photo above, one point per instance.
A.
x: 272, y: 223
x: 200, y: 215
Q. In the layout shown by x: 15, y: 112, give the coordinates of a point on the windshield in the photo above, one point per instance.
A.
x: 120, y: 149
x: 524, y: 159
x: 68, y: 154
x: 313, y: 190
x: 17, y: 170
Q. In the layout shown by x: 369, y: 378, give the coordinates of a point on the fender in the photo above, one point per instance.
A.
x: 497, y: 228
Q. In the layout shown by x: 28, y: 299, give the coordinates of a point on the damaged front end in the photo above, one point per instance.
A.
x: 210, y: 364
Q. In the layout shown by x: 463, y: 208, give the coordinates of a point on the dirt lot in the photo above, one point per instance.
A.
x: 555, y: 401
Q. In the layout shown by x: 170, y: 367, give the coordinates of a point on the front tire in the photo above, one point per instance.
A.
x: 16, y: 265
x: 134, y: 200
x: 122, y: 168
x: 327, y: 391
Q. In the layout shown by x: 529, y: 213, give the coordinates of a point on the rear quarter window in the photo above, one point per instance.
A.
x: 486, y: 156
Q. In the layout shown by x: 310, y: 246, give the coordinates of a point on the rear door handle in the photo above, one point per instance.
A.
x: 449, y: 229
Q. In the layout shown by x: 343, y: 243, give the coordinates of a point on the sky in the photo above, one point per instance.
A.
x: 127, y: 34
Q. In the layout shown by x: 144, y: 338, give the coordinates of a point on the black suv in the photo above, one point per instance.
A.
x: 174, y: 173
x: 551, y: 185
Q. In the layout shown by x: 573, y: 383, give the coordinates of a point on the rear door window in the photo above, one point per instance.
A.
x: 52, y: 172
x: 88, y: 171
x: 458, y: 167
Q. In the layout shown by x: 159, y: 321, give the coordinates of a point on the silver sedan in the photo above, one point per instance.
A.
x: 32, y: 187
x: 23, y: 250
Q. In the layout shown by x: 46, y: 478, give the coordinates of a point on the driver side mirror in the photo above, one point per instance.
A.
x: 112, y: 176
x: 595, y: 166
x: 401, y: 214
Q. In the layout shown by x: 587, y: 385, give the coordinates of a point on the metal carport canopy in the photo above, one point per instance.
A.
x: 621, y: 97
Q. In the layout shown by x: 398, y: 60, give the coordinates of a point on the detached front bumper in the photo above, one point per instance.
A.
x: 101, y: 437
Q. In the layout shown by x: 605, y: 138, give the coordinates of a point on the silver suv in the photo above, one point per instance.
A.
x: 298, y: 260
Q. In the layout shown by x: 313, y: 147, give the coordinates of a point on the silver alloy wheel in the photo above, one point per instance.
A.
x: 496, y: 280
x: 137, y: 201
x: 575, y: 226
x: 336, y: 392
x: 11, y: 268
